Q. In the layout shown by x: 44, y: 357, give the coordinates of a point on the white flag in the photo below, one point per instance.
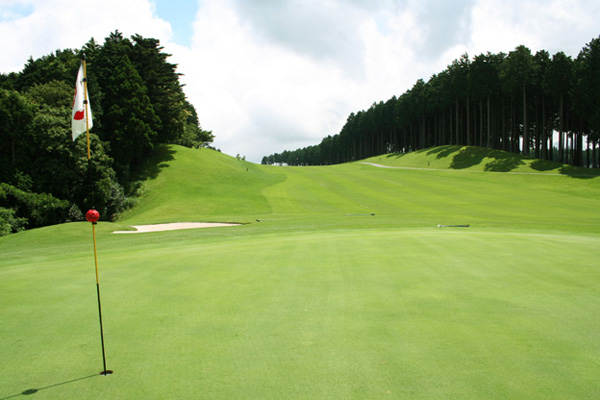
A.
x: 78, y: 120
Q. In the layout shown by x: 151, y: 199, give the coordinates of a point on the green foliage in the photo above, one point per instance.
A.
x: 137, y: 104
x: 193, y: 135
x: 59, y: 66
x: 95, y: 183
x: 38, y: 209
x: 164, y: 90
x: 587, y: 87
x: 9, y: 223
x: 50, y: 149
x: 55, y: 94
x: 16, y: 116
x: 129, y: 118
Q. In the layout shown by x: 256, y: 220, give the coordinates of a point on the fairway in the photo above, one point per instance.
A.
x: 338, y: 285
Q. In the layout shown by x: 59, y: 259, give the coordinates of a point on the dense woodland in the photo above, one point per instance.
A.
x: 138, y: 104
x: 514, y: 102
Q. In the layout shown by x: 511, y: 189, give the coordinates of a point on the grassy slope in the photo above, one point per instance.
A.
x: 318, y: 300
x: 209, y: 186
x: 470, y: 158
x: 202, y: 185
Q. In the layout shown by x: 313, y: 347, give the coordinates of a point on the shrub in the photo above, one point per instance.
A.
x: 9, y: 223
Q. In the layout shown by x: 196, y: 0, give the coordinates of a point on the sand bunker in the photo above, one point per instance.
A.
x: 175, y: 226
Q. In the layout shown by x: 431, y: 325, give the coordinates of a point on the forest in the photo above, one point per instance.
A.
x: 138, y: 105
x: 537, y: 105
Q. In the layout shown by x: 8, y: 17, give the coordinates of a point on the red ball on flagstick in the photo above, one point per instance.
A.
x: 92, y: 215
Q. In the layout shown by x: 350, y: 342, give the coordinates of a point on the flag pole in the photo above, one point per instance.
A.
x: 93, y: 216
x: 85, y: 103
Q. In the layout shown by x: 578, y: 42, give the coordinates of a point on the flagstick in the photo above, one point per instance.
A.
x: 93, y: 216
x: 85, y: 102
x: 104, y: 370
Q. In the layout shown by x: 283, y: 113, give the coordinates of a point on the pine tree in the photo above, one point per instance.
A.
x: 129, y: 118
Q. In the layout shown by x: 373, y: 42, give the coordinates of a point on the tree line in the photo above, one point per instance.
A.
x: 138, y: 105
x: 517, y: 102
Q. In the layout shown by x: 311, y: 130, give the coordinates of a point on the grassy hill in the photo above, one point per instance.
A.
x: 346, y: 288
x: 202, y: 185
x: 471, y: 158
x: 206, y: 185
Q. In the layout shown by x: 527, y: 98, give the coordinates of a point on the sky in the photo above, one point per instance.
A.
x: 272, y: 75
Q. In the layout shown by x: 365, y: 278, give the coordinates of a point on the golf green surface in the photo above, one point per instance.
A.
x: 338, y: 285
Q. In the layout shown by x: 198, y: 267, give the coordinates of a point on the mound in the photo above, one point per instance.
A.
x: 477, y: 159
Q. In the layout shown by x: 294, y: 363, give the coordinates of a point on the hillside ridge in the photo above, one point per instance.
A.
x: 456, y: 157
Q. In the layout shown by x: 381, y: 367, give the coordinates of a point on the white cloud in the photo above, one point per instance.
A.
x: 556, y: 25
x: 322, y: 30
x: 257, y: 96
x: 262, y: 94
x: 61, y: 24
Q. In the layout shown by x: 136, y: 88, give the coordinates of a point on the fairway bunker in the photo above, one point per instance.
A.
x: 453, y: 226
x: 176, y: 226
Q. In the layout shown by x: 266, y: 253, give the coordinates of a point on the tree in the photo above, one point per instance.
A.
x: 58, y: 66
x: 458, y: 73
x: 16, y: 116
x: 541, y: 98
x: 518, y: 69
x: 129, y: 118
x: 587, y: 89
x: 560, y: 82
x: 50, y: 144
x: 484, y: 81
x: 138, y: 103
x: 164, y: 90
x: 95, y: 182
x: 193, y: 135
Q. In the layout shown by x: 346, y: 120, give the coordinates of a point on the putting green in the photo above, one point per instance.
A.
x: 320, y: 299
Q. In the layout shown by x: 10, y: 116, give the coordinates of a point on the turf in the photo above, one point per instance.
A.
x: 320, y: 299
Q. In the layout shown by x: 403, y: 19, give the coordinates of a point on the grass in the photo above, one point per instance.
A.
x: 470, y: 158
x: 320, y: 299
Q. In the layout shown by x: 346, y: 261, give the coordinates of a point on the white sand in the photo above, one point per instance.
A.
x: 175, y: 226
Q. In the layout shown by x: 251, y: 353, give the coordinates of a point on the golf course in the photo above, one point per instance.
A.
x: 452, y: 272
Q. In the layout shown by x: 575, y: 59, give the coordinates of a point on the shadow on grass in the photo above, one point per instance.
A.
x: 501, y: 160
x: 155, y: 163
x: 396, y: 155
x: 444, y: 151
x: 441, y: 151
x: 569, y: 170
x: 505, y: 164
x: 35, y: 390
x: 579, y: 172
x: 544, y: 165
x: 467, y: 157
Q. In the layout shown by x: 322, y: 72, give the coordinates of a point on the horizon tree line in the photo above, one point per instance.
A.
x: 516, y: 102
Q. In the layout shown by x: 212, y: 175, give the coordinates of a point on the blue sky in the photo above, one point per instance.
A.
x: 12, y: 11
x: 272, y: 75
x: 181, y: 15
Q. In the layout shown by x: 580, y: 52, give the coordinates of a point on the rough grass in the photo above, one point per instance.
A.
x: 320, y: 299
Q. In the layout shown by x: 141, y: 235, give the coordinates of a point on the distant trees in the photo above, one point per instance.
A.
x: 138, y: 104
x: 516, y: 102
